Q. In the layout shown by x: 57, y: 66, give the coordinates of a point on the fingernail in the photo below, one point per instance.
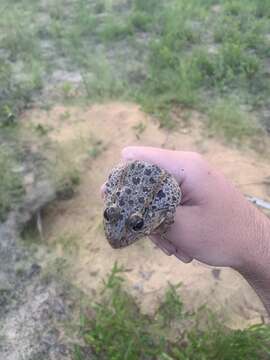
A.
x: 166, y: 251
x: 184, y: 258
x: 167, y: 247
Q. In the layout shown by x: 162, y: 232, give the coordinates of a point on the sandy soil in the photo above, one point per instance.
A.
x: 149, y: 270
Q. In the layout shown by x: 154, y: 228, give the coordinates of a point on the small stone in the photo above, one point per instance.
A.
x: 29, y: 179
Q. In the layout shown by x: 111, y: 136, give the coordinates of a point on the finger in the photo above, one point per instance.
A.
x: 165, y: 248
x: 167, y: 159
x: 169, y: 249
x: 182, y: 256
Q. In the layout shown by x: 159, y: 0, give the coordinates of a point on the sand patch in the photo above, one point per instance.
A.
x: 116, y: 125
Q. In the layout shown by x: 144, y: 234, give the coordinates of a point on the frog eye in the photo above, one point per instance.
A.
x: 136, y: 222
x: 112, y: 213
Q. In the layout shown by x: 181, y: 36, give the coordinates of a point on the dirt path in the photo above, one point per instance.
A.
x: 116, y: 125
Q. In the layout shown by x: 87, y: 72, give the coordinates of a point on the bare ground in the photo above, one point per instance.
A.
x: 90, y: 257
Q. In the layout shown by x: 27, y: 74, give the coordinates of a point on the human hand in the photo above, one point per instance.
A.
x: 215, y: 224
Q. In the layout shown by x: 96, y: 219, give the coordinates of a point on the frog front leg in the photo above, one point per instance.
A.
x: 162, y: 229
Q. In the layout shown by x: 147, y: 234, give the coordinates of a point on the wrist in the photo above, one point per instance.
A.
x: 255, y: 262
x: 256, y: 247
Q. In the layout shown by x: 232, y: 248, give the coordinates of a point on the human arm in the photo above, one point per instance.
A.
x: 215, y: 224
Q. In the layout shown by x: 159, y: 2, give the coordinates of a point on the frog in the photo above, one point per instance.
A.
x: 140, y: 199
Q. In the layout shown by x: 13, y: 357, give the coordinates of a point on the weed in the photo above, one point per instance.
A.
x: 140, y: 21
x: 5, y: 296
x: 139, y: 129
x: 84, y: 23
x: 114, y: 328
x: 100, y: 6
x: 262, y: 9
x: 11, y: 187
x: 7, y: 115
x: 66, y: 183
x: 65, y: 173
x: 226, y: 118
x: 181, y: 71
x: 18, y: 38
x: 96, y: 147
x: 68, y: 243
x: 178, y: 35
x: 171, y: 308
x: 42, y: 130
x: 65, y: 116
x: 215, y: 341
x: 57, y: 267
x: 118, y: 330
x: 14, y: 94
x: 67, y: 90
x: 186, y: 117
x: 149, y: 6
x: 115, y: 30
x: 100, y: 82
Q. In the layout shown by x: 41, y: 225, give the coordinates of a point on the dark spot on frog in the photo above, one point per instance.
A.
x: 121, y: 202
x: 147, y: 172
x: 141, y: 200
x: 131, y: 202
x: 128, y: 191
x: 121, y: 217
x: 118, y: 193
x: 174, y: 198
x: 145, y: 189
x: 160, y: 194
x: 136, y: 180
x: 152, y: 180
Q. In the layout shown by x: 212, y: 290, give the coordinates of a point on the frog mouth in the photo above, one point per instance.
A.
x: 124, y: 241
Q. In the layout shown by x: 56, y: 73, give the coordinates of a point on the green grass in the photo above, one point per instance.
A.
x: 64, y: 172
x: 140, y: 21
x: 182, y: 70
x: 225, y: 118
x: 21, y: 67
x: 11, y: 188
x: 68, y: 243
x: 14, y: 94
x: 139, y: 129
x: 96, y: 147
x: 99, y: 81
x: 115, y: 29
x: 19, y: 38
x: 189, y: 54
x: 114, y: 328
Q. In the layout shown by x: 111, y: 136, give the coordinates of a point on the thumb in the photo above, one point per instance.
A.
x: 170, y: 160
